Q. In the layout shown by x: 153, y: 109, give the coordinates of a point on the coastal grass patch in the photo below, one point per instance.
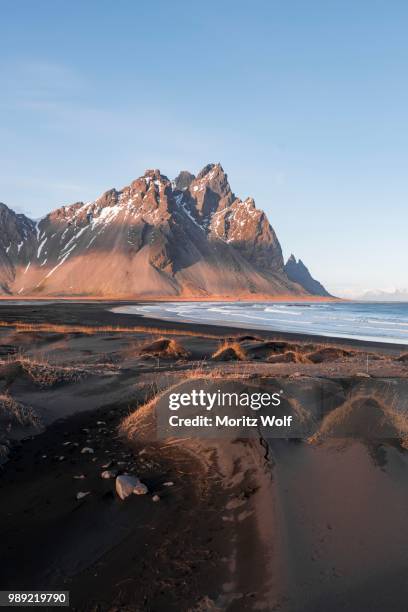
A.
x: 366, y: 415
x: 287, y: 357
x: 328, y: 353
x: 165, y: 348
x: 17, y: 413
x: 39, y: 370
x: 90, y: 330
x: 230, y: 351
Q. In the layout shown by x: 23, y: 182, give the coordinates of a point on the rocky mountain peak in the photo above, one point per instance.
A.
x: 155, y: 175
x: 183, y: 180
x: 188, y: 237
x: 210, y: 191
x: 297, y: 272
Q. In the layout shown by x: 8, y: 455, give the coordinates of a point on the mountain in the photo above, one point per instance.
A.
x: 189, y: 237
x: 297, y: 272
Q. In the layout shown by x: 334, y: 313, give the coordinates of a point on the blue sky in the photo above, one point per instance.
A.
x: 305, y: 104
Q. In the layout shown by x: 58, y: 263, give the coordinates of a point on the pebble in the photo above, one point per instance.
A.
x: 155, y: 498
x: 125, y: 485
x: 168, y: 484
x: 82, y: 494
x: 108, y: 474
x: 140, y: 489
x: 87, y: 449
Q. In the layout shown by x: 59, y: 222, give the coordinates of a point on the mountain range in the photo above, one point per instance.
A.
x: 385, y: 295
x: 191, y: 237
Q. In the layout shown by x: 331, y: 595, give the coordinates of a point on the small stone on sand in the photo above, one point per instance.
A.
x: 82, y: 494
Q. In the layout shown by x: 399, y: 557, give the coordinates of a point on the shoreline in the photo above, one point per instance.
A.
x: 151, y: 299
x: 97, y: 316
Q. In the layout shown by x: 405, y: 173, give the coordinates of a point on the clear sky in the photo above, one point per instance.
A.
x: 305, y: 104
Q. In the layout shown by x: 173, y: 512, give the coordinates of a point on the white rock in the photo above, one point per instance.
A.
x: 80, y: 477
x: 140, y: 489
x: 125, y: 485
x: 168, y: 484
x: 82, y: 494
x: 100, y: 423
x: 87, y: 449
x: 155, y: 498
x: 108, y: 474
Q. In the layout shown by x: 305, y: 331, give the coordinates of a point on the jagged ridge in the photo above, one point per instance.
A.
x: 191, y: 237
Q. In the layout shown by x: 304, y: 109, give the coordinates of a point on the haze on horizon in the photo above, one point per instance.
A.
x: 304, y: 104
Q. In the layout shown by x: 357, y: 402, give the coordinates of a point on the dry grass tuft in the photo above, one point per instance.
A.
x: 329, y: 353
x: 140, y: 423
x: 16, y: 412
x: 366, y: 415
x: 230, y: 351
x: 164, y: 347
x: 43, y: 373
x: 287, y: 357
x: 90, y: 330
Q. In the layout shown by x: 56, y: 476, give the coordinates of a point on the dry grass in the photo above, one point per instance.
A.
x: 42, y: 372
x: 90, y: 330
x: 371, y: 415
x: 230, y: 351
x: 16, y: 412
x: 140, y: 424
x: 164, y: 347
x: 287, y: 357
x: 328, y: 353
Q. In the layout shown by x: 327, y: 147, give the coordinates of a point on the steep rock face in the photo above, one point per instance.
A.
x: 298, y: 273
x: 192, y: 237
x: 17, y: 244
x: 231, y: 220
x: 183, y: 180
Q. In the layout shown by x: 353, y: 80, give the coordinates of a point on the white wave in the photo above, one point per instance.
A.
x: 378, y: 322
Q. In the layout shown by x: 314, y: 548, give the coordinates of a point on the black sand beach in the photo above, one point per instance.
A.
x: 295, y: 525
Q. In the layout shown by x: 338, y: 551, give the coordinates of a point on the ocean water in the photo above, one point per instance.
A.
x: 375, y: 321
